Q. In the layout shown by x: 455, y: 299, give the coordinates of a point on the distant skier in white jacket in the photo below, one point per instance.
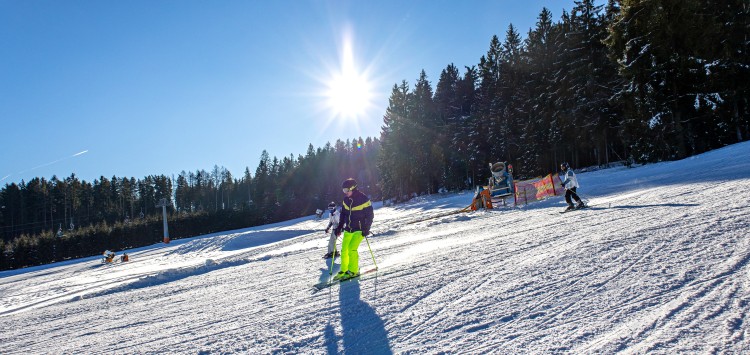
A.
x: 333, y: 222
x: 569, y: 181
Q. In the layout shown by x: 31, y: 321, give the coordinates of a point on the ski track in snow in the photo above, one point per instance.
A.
x: 660, y: 263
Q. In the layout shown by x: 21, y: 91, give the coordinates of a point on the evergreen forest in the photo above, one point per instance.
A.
x: 631, y: 81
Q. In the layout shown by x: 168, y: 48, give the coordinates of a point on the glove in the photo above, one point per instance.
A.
x: 366, y: 231
x: 327, y: 229
x: 337, y: 231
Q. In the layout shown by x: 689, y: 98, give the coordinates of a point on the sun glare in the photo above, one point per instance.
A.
x: 349, y: 91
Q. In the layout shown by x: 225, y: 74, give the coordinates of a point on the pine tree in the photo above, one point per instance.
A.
x: 427, y: 161
x: 448, y: 106
x: 246, y: 190
x: 540, y: 104
x: 513, y: 96
x: 486, y: 130
x: 655, y: 45
x: 464, y: 127
x: 723, y: 48
x: 182, y: 199
x: 392, y: 163
x: 591, y: 73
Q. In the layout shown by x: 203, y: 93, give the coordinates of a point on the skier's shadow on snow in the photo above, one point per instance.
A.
x: 363, y: 330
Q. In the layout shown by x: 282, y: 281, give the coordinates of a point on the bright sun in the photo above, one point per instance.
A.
x: 349, y: 92
x: 348, y: 95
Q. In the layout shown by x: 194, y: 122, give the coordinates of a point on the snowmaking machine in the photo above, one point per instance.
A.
x: 499, y: 187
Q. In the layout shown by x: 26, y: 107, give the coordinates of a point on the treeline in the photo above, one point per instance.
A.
x: 44, y: 220
x: 284, y: 188
x: 634, y: 81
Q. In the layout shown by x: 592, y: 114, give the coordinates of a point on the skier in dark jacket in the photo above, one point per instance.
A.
x: 356, y: 219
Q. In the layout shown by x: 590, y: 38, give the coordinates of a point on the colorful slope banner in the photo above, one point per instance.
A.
x: 544, y: 187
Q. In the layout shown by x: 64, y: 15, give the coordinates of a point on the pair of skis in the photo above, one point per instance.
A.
x: 326, y: 284
x: 574, y: 209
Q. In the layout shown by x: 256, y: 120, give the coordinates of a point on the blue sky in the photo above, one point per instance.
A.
x: 135, y: 88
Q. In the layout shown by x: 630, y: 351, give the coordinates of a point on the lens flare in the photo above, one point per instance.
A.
x: 349, y: 93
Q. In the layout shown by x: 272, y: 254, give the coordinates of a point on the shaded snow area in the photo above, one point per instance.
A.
x: 657, y: 264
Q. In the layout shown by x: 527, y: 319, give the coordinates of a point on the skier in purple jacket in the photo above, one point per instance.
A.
x: 356, y: 219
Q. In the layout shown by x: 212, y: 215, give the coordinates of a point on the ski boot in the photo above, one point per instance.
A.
x: 345, y: 275
x: 332, y: 254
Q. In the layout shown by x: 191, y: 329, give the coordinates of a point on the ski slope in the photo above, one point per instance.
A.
x: 657, y: 264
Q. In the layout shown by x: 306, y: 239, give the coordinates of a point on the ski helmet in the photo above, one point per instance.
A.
x: 349, y: 185
x: 332, y: 206
x: 564, y: 166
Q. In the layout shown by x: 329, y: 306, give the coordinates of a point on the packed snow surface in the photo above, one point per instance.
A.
x: 657, y: 264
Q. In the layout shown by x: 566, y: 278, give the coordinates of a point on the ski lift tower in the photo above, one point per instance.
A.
x: 163, y: 204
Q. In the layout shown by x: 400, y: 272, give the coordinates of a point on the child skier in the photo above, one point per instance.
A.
x: 569, y: 181
x: 333, y: 221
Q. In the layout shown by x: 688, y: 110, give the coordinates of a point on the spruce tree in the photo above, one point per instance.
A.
x: 540, y: 104
x: 392, y: 162
x: 448, y: 106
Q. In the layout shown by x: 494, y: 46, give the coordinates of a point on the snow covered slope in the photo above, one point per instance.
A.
x: 659, y: 263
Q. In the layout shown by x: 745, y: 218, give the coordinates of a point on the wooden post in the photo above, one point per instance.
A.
x: 554, y: 192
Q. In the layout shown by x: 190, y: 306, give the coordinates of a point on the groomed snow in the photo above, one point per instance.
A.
x: 658, y: 264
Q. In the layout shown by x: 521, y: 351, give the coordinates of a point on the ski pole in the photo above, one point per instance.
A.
x: 581, y: 195
x: 584, y: 198
x: 330, y: 268
x: 333, y: 257
x: 371, y: 253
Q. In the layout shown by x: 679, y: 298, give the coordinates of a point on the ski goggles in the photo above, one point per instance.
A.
x: 349, y: 189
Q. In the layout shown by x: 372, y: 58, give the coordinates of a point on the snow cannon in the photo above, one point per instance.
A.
x: 501, y: 181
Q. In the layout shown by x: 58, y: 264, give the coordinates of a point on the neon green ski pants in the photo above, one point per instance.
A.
x: 349, y: 253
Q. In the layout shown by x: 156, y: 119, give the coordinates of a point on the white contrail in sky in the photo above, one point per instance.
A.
x: 56, y: 161
x: 48, y: 164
